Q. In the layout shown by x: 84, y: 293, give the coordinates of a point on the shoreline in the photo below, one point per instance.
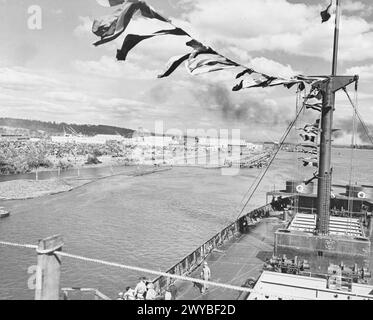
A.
x: 75, y: 167
x: 26, y: 189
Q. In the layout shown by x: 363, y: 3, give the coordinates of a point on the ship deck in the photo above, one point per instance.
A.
x: 234, y: 263
x: 237, y: 261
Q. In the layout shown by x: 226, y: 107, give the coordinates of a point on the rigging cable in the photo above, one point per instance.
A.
x: 282, y: 141
x: 353, y: 146
x: 359, y: 117
x: 299, y: 102
x: 261, y: 172
x: 248, y: 191
x: 354, y: 106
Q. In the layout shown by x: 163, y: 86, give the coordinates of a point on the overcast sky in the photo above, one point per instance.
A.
x: 56, y: 74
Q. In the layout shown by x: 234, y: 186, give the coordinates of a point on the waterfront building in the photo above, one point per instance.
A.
x: 14, y: 137
x: 80, y: 139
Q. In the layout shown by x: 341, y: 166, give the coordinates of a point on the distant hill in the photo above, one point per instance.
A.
x: 54, y: 128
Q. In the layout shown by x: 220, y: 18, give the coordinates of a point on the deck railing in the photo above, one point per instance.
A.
x: 191, y: 262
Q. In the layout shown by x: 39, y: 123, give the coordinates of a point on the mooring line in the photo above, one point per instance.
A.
x: 173, y: 276
x: 18, y: 245
x: 148, y: 271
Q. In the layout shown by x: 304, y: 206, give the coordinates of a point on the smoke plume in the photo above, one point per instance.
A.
x: 347, y: 128
x: 250, y: 110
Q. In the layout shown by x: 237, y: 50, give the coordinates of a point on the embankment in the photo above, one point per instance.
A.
x: 28, y: 189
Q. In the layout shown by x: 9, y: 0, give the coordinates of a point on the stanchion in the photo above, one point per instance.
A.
x: 49, y: 268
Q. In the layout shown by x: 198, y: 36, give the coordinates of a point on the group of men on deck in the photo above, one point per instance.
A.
x: 145, y: 289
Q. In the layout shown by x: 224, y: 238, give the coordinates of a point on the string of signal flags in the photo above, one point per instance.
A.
x: 199, y: 60
x: 203, y: 59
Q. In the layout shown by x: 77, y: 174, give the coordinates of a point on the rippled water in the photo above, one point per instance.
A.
x: 149, y: 221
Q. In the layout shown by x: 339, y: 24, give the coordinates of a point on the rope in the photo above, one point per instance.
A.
x: 284, y: 137
x: 164, y: 274
x: 265, y: 169
x: 147, y: 271
x: 127, y: 267
x: 359, y: 116
x: 356, y: 113
x: 353, y: 146
x: 18, y: 245
x: 247, y: 193
x: 299, y: 103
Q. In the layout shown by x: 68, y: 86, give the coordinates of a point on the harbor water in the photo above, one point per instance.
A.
x: 149, y: 221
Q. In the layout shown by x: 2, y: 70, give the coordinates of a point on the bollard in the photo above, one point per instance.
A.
x: 49, y: 265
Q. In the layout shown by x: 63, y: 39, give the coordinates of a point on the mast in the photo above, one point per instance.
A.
x: 336, y: 38
x: 325, y: 169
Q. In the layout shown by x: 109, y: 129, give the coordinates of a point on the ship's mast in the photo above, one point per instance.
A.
x: 325, y: 169
x: 336, y: 38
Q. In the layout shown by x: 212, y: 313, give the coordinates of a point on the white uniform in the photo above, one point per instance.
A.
x: 205, y: 275
x: 129, y: 295
x: 151, y: 294
x: 168, y: 295
x: 140, y: 290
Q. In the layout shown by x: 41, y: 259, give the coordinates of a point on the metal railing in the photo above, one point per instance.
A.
x: 192, y: 261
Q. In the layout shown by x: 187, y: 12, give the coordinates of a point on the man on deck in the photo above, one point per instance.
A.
x: 205, y: 275
x: 140, y: 289
x: 129, y: 294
